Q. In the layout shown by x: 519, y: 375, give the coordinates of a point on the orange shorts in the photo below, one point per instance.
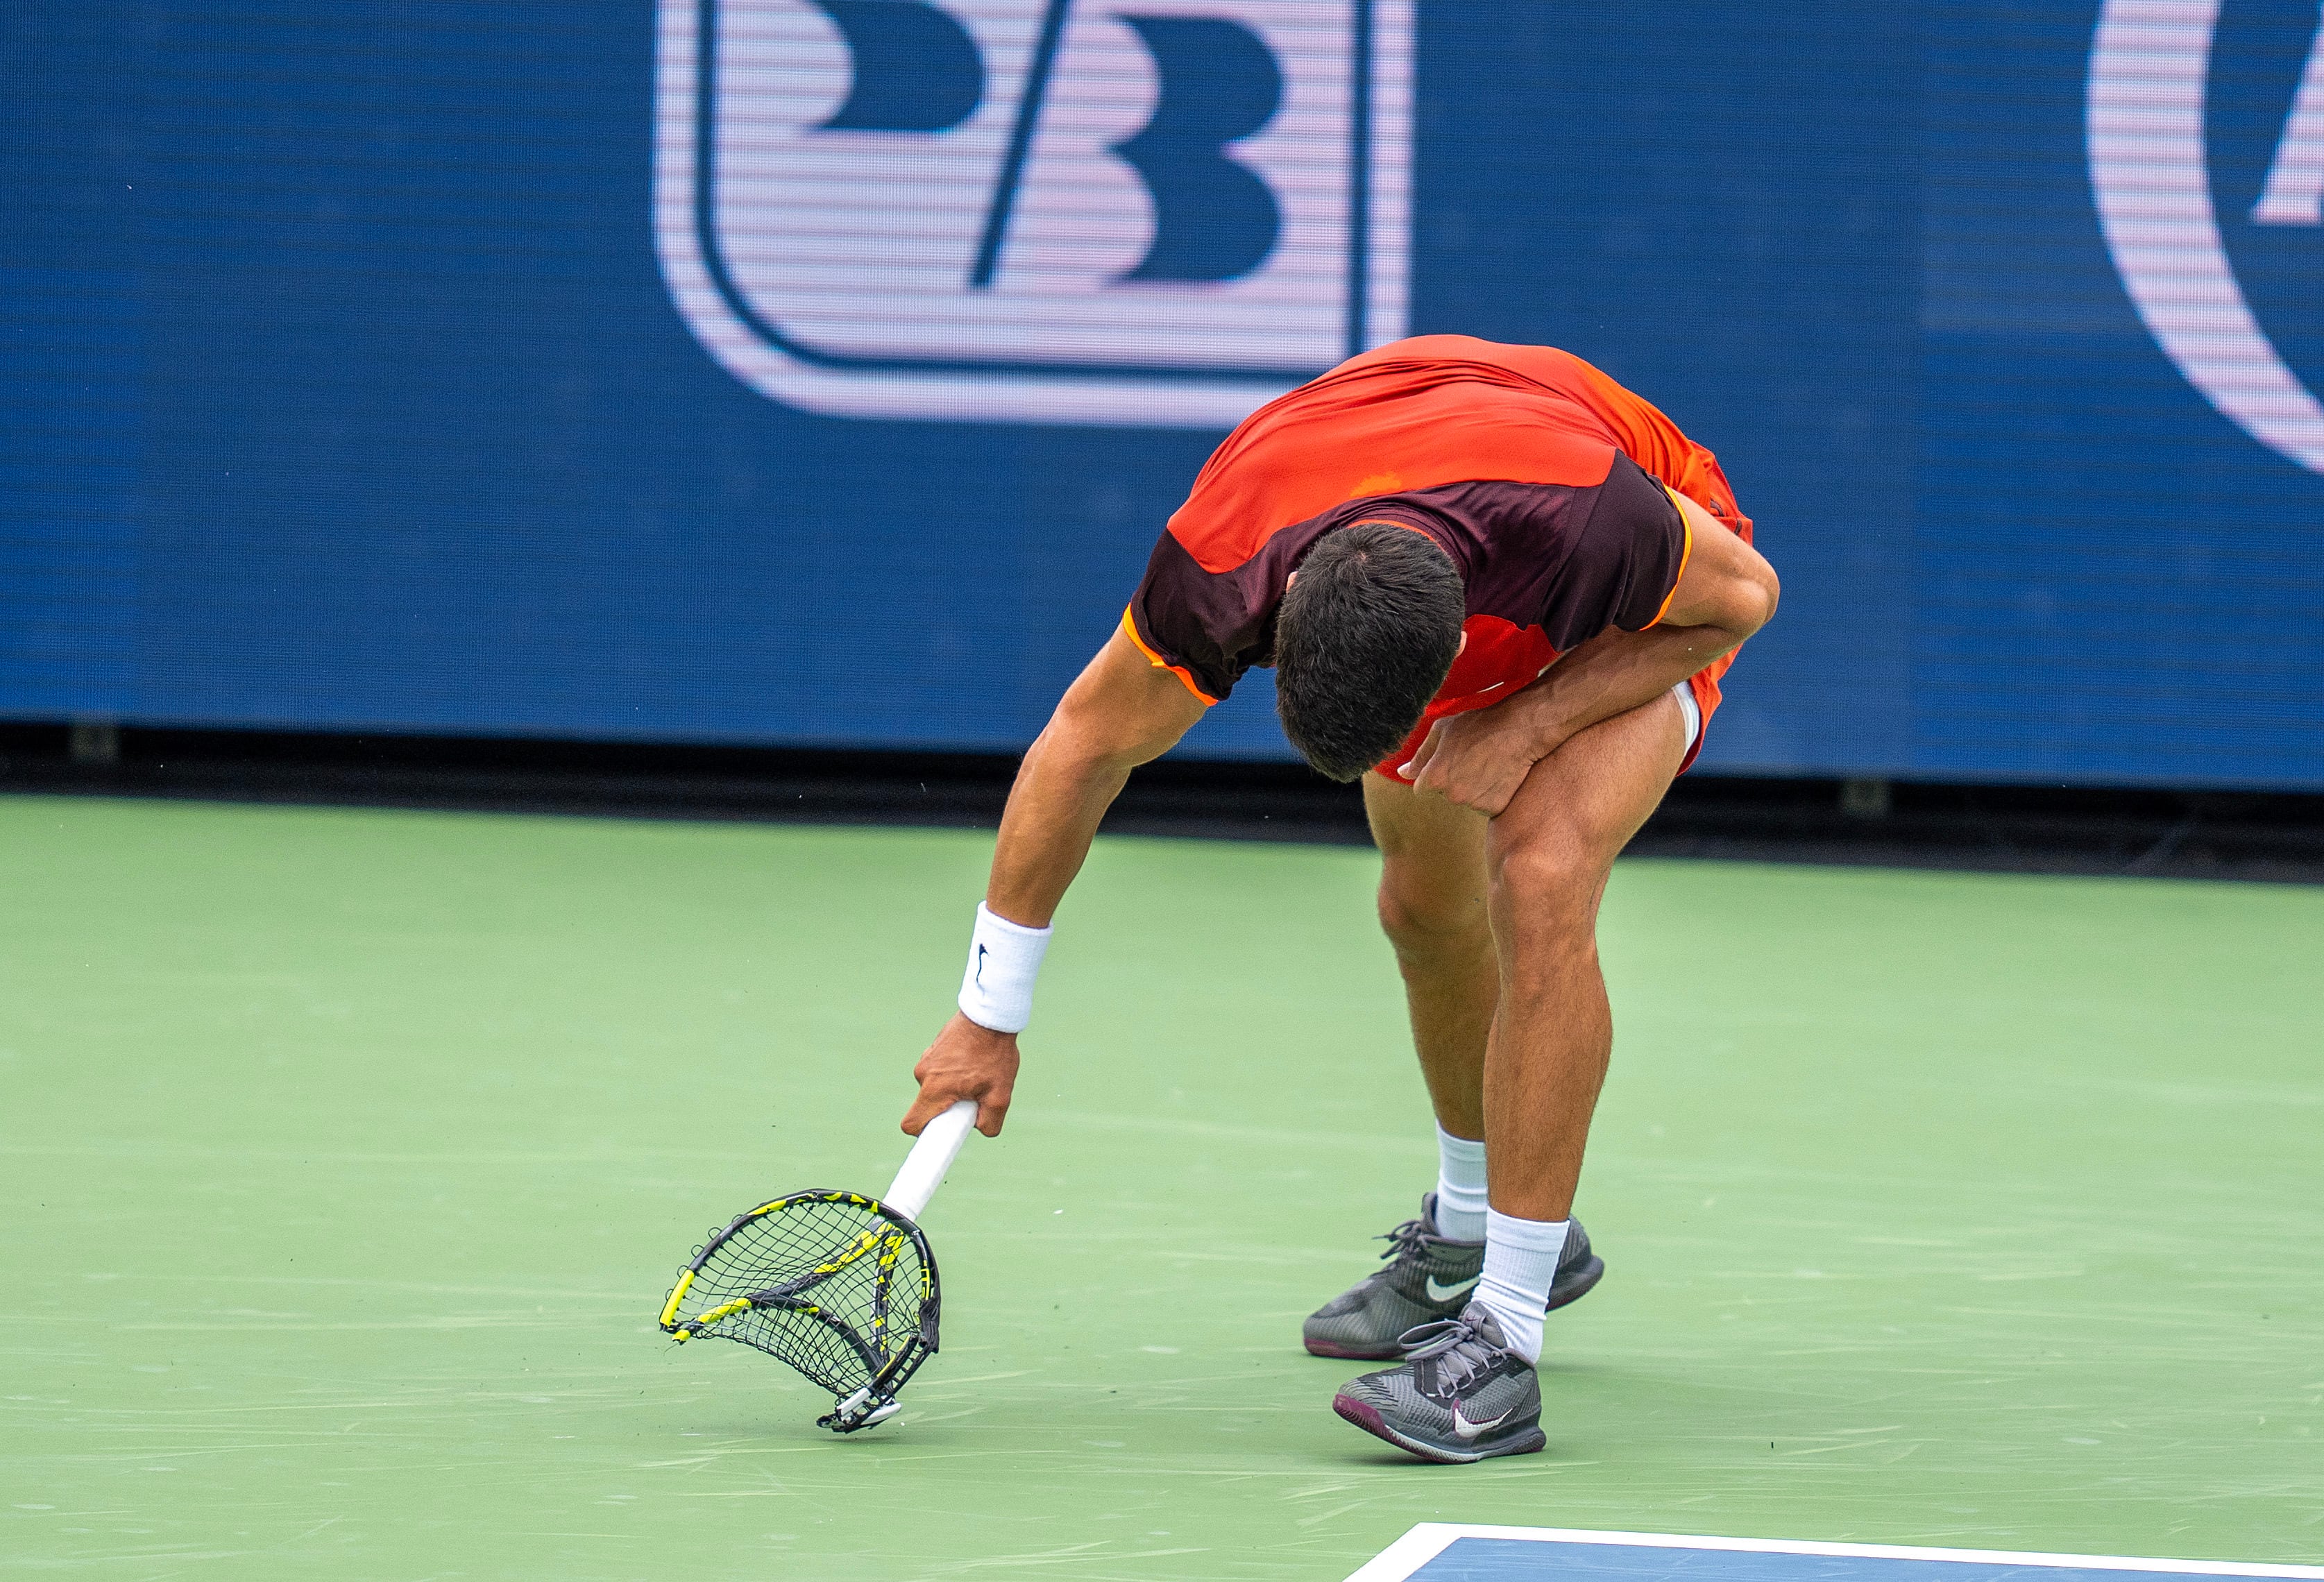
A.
x: 1698, y: 685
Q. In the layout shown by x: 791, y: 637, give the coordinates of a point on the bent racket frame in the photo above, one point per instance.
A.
x: 894, y: 1350
x: 886, y: 1366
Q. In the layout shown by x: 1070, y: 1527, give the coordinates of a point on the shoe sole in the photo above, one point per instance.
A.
x: 1583, y: 1281
x: 1368, y: 1418
x: 1570, y: 1289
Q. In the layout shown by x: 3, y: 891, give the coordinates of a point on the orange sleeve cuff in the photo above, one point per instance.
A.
x: 1129, y: 629
x: 1685, y: 554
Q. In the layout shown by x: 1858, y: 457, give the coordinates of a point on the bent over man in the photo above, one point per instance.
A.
x: 1500, y: 589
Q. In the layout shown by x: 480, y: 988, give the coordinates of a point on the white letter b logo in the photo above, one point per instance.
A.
x: 1150, y: 212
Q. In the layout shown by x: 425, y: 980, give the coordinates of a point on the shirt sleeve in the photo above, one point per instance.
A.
x: 1179, y: 620
x: 1624, y: 563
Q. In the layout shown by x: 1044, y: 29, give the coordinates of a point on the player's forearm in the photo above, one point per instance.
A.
x: 1120, y: 712
x: 1062, y: 789
x: 1068, y: 779
x: 1617, y: 671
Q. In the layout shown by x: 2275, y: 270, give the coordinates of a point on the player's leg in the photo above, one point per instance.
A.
x: 1433, y: 907
x: 1550, y: 854
x: 1468, y: 1389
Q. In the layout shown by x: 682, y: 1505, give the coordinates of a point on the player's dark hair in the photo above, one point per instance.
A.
x: 1362, y: 641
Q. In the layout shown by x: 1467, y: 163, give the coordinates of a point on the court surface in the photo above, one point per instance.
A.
x: 348, y: 1156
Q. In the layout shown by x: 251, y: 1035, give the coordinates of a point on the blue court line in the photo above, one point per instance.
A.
x: 1447, y: 1552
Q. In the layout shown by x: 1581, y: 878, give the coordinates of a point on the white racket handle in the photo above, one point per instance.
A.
x: 931, y: 1156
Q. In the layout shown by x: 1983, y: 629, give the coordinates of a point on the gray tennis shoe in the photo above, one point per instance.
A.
x: 1460, y: 1395
x: 1428, y: 1277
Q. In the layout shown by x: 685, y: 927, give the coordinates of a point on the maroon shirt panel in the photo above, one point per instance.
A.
x: 1570, y: 560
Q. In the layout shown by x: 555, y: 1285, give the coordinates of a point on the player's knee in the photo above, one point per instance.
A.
x: 1547, y: 883
x: 1422, y: 920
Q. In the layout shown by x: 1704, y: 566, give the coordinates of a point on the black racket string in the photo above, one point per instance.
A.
x: 823, y: 1283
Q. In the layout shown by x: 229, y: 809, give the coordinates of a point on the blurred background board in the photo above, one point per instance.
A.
x: 350, y: 1154
x: 358, y: 375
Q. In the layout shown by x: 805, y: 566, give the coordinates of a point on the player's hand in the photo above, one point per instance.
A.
x: 1479, y: 758
x: 965, y: 1062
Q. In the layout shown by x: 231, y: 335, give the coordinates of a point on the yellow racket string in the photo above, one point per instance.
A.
x: 704, y: 1321
x: 890, y: 1244
x: 864, y: 1242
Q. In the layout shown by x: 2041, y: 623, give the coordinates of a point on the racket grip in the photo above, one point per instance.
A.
x: 931, y: 1156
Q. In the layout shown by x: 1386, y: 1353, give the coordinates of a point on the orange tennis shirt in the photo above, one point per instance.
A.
x: 1548, y: 483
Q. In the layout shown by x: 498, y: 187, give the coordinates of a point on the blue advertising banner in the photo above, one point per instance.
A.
x: 820, y: 371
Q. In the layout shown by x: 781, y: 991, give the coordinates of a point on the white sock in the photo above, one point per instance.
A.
x: 1459, y: 1188
x: 1520, y: 1263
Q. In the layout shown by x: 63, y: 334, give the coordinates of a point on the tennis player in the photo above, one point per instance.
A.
x: 1501, y: 589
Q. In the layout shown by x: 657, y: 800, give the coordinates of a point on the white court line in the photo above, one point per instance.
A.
x: 1424, y: 1542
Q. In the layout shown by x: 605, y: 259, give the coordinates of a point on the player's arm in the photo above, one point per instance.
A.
x: 1726, y: 592
x: 1123, y: 711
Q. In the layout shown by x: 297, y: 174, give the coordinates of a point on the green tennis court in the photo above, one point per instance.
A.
x: 349, y: 1154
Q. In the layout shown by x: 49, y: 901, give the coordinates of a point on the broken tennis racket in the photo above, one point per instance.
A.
x: 840, y: 1286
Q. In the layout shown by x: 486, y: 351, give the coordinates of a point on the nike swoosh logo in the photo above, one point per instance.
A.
x: 1465, y: 1430
x: 1447, y: 1292
x: 979, y: 962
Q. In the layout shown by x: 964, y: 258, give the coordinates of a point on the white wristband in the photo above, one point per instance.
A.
x: 996, y: 991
